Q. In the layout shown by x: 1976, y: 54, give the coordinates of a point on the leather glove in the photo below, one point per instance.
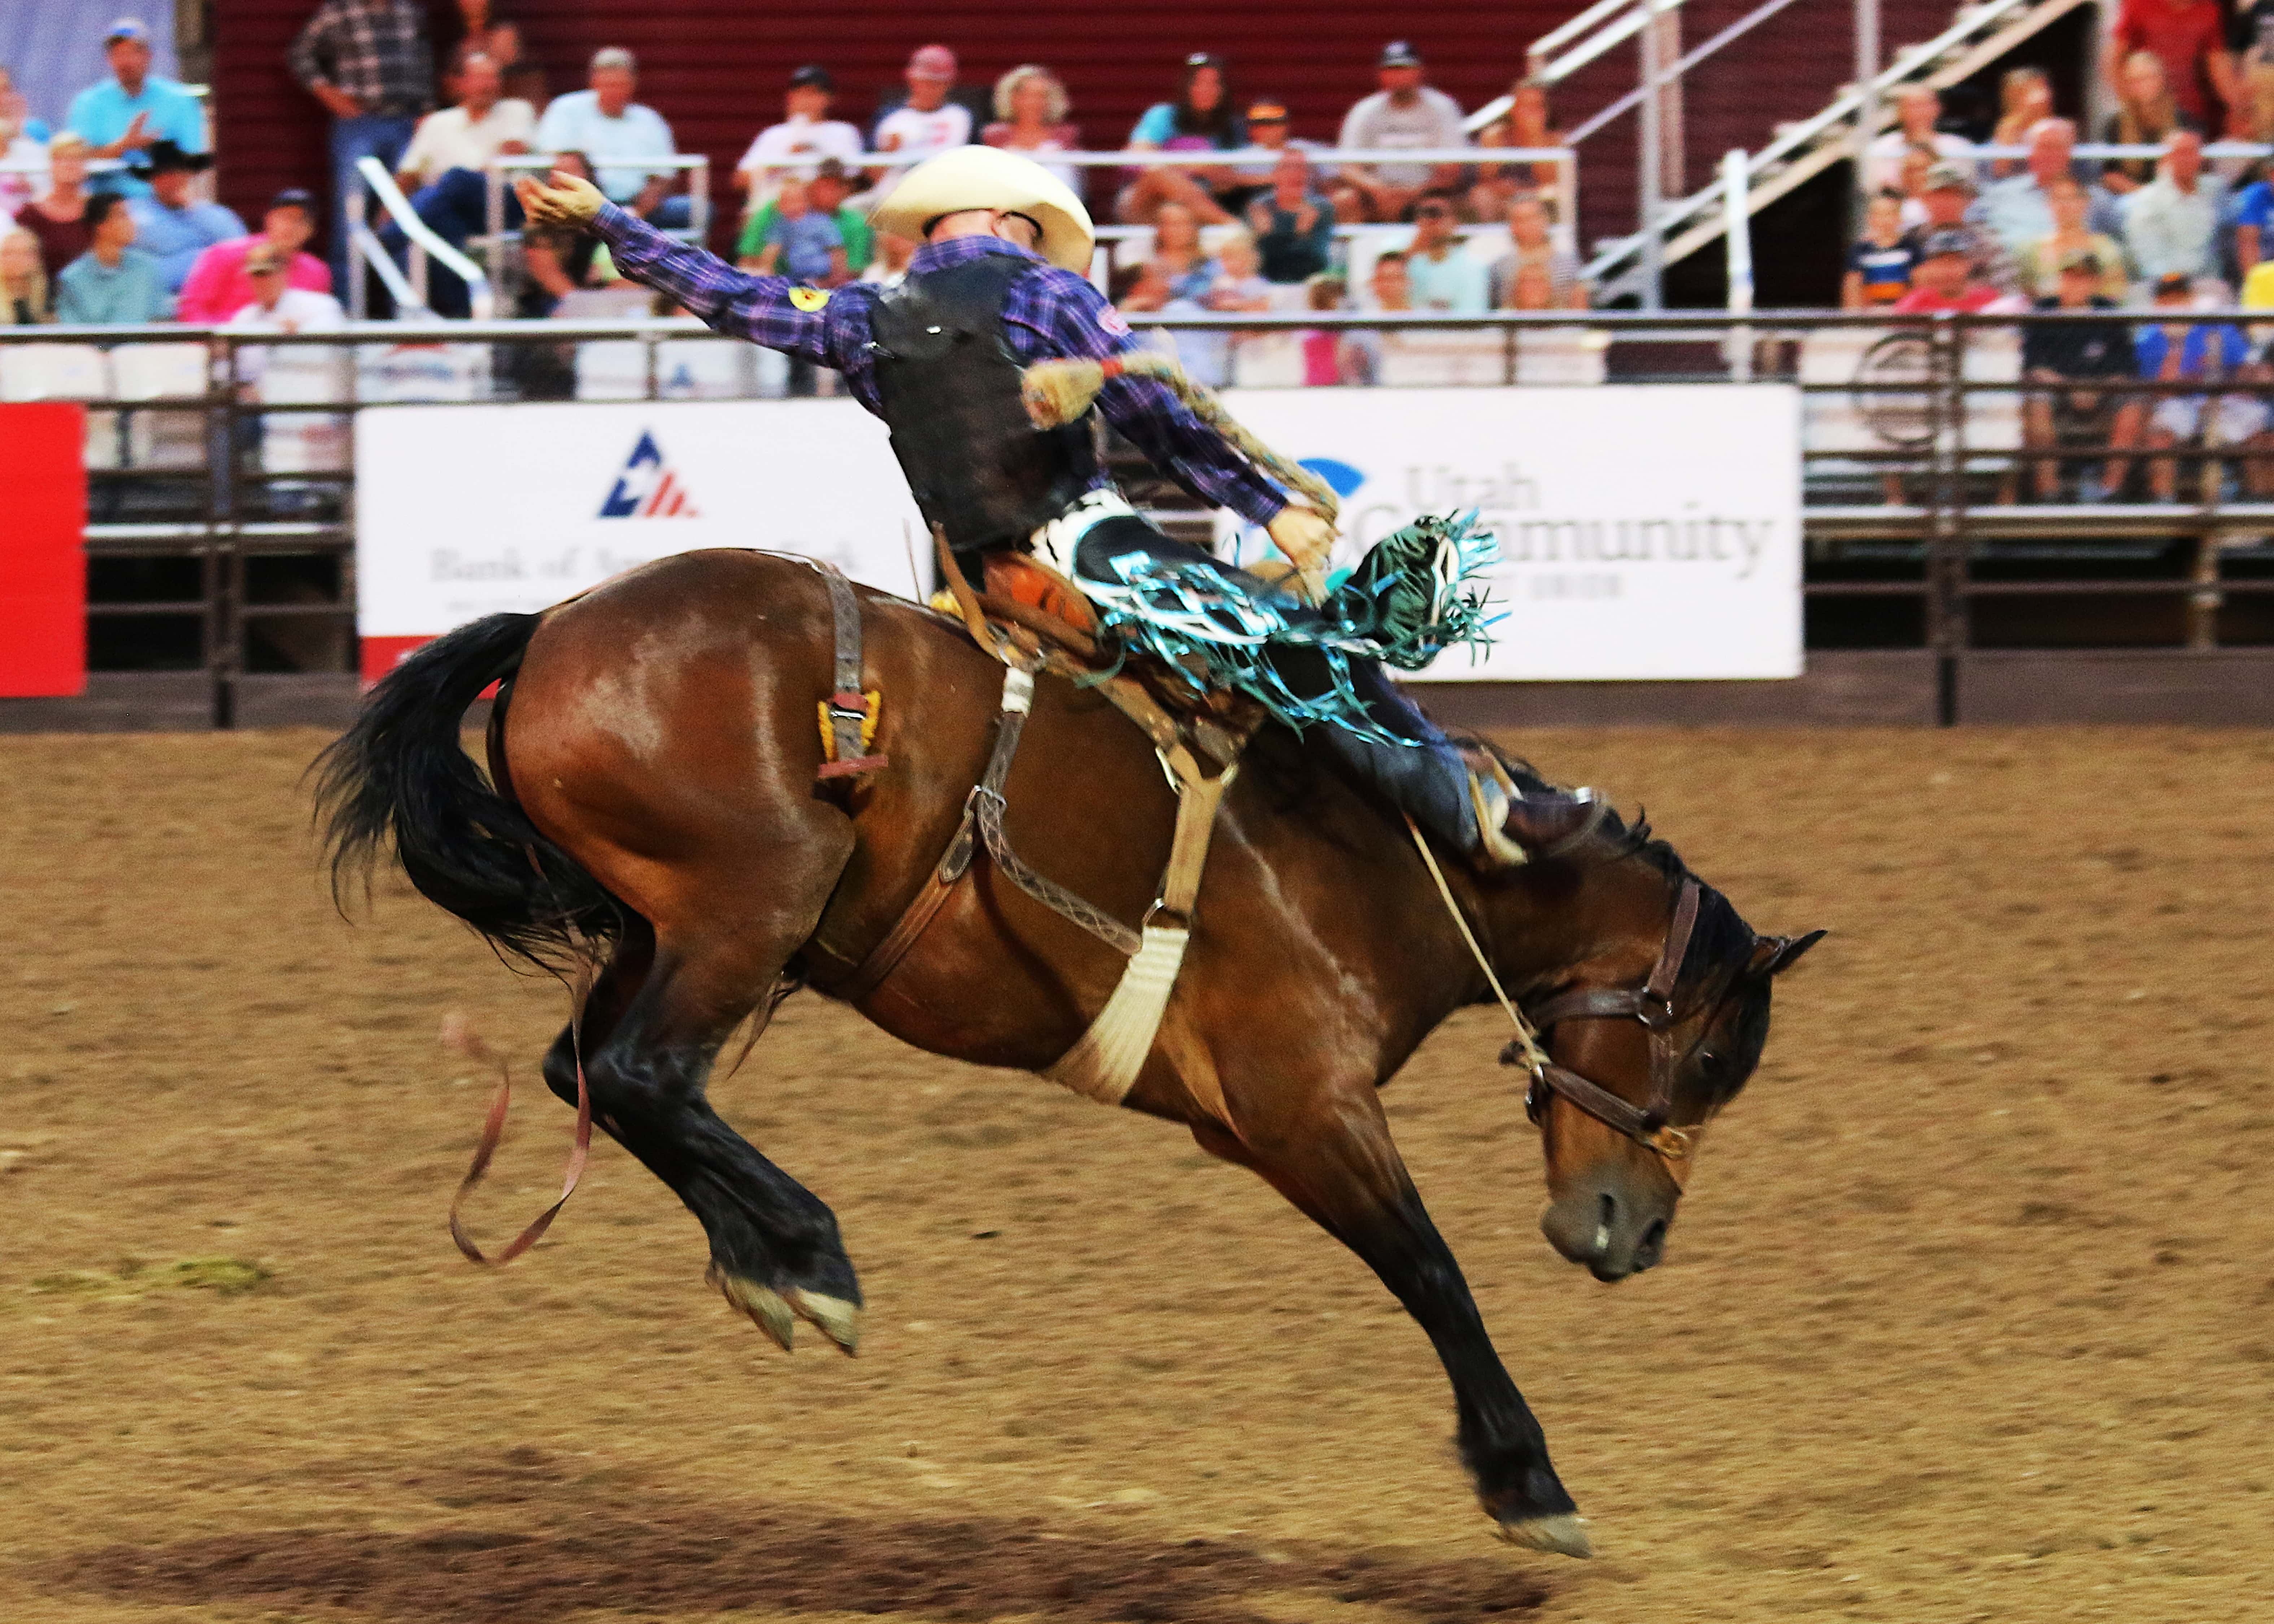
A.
x: 1306, y: 536
x: 566, y: 201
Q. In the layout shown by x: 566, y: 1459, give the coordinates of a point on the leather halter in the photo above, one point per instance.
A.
x: 1653, y: 1005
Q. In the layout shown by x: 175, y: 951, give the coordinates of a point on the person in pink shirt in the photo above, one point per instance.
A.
x: 218, y: 286
x: 1944, y: 279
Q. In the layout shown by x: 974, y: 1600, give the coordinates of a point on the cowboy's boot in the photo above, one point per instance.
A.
x: 1514, y: 827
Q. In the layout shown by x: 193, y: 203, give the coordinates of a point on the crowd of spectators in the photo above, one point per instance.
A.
x: 108, y: 215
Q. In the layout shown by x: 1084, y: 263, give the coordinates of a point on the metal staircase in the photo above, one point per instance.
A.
x: 1629, y: 266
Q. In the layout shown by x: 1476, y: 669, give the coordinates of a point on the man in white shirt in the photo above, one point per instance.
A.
x: 1916, y: 109
x: 927, y: 123
x: 617, y: 133
x: 471, y: 134
x: 806, y: 135
x: 292, y: 374
x: 1404, y: 113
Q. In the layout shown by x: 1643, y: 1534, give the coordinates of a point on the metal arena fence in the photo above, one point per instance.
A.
x: 1960, y: 505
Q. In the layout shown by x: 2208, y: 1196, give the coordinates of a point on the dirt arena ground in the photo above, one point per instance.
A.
x: 1969, y: 1313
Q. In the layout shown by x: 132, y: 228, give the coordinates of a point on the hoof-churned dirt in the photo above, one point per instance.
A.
x: 1969, y: 1313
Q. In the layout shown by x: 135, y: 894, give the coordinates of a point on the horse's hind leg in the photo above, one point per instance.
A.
x: 650, y: 1034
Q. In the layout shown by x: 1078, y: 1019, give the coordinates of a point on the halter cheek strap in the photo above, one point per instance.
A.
x: 1652, y: 1005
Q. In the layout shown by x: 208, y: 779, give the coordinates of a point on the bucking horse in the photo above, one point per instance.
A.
x: 661, y: 811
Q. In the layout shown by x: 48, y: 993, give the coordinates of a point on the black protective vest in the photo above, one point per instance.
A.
x: 949, y: 386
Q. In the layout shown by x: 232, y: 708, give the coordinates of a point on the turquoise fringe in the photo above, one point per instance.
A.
x: 1414, y: 596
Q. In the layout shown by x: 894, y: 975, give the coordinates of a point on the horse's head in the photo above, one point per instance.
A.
x: 1652, y: 1024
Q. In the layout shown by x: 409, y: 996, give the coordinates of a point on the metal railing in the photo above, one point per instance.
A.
x: 1954, y: 503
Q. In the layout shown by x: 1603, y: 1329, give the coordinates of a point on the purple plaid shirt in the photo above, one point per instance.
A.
x: 1048, y: 312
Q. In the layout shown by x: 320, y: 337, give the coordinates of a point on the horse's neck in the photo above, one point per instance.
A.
x: 1542, y: 925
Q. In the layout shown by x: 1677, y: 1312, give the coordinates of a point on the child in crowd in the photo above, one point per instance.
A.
x: 802, y: 243
x: 1240, y: 283
x: 1322, y: 346
x: 1879, y: 266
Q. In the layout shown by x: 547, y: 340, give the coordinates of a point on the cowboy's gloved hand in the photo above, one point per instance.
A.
x: 568, y: 201
x: 1306, y: 536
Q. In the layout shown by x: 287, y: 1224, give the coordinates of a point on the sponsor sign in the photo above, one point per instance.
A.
x: 463, y: 511
x: 1646, y: 531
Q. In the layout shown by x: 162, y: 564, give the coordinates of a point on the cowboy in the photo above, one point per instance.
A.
x: 998, y: 284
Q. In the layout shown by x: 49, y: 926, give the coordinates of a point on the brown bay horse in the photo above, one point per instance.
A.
x: 653, y: 808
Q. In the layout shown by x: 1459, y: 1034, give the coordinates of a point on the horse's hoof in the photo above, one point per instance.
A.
x: 765, y: 1307
x: 1563, y: 1535
x: 839, y: 1320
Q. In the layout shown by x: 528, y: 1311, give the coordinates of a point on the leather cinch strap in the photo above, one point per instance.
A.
x: 851, y: 713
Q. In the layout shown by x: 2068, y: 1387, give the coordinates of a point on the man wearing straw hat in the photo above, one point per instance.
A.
x: 999, y: 454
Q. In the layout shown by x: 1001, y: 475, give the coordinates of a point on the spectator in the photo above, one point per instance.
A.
x: 1918, y: 108
x: 1267, y: 136
x: 2019, y: 209
x: 23, y: 298
x: 468, y: 138
x: 2253, y: 213
x: 806, y: 135
x: 617, y: 134
x: 1440, y: 272
x: 2146, y: 114
x: 1239, y: 282
x: 2190, y: 38
x: 2040, y: 262
x: 2170, y: 352
x: 1530, y: 243
x: 59, y: 218
x: 18, y: 148
x: 2076, y: 352
x: 926, y: 123
x: 1918, y: 163
x: 1322, y: 346
x: 1879, y: 265
x: 367, y: 61
x: 1946, y: 278
x: 1294, y: 226
x: 1200, y: 119
x: 559, y: 262
x: 825, y: 194
x: 802, y: 243
x: 1949, y: 201
x: 1030, y: 117
x: 1389, y: 290
x: 218, y: 288
x: 113, y: 283
x: 170, y: 225
x: 124, y: 113
x: 1184, y: 265
x: 936, y: 61
x: 2253, y: 34
x: 2025, y: 100
x: 277, y: 306
x: 1404, y: 113
x: 482, y: 33
x: 2171, y: 225
x: 888, y: 267
x: 16, y: 108
x: 1526, y: 124
x: 1533, y: 288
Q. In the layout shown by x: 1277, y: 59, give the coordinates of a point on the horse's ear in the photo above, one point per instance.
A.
x: 1773, y: 955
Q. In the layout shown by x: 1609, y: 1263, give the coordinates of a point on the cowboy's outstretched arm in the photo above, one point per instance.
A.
x: 1078, y: 321
x: 730, y: 301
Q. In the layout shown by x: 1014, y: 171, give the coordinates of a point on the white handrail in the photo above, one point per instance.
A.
x: 478, y: 286
x: 1594, y: 16
x: 1135, y: 157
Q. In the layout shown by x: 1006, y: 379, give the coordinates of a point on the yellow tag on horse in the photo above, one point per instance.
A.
x: 809, y: 299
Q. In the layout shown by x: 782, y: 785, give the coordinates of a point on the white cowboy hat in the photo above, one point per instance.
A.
x: 989, y: 177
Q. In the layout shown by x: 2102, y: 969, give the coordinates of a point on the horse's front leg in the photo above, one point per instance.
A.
x: 1332, y: 1156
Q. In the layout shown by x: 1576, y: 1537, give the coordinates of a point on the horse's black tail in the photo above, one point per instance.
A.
x: 400, y: 771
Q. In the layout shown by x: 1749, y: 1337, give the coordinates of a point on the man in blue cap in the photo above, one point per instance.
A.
x: 123, y: 115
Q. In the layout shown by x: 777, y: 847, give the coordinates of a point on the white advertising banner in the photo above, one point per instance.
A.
x: 1646, y: 530
x: 463, y: 511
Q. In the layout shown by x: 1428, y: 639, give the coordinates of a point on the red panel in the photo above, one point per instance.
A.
x: 42, y: 552
x: 381, y: 655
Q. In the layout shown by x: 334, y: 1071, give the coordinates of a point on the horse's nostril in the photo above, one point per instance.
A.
x: 1606, y: 1213
x: 1654, y: 1242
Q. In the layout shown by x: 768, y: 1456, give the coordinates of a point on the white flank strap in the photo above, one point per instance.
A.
x: 1105, y: 1062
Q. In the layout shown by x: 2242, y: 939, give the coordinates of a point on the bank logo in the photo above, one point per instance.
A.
x: 1341, y: 477
x: 648, y: 487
